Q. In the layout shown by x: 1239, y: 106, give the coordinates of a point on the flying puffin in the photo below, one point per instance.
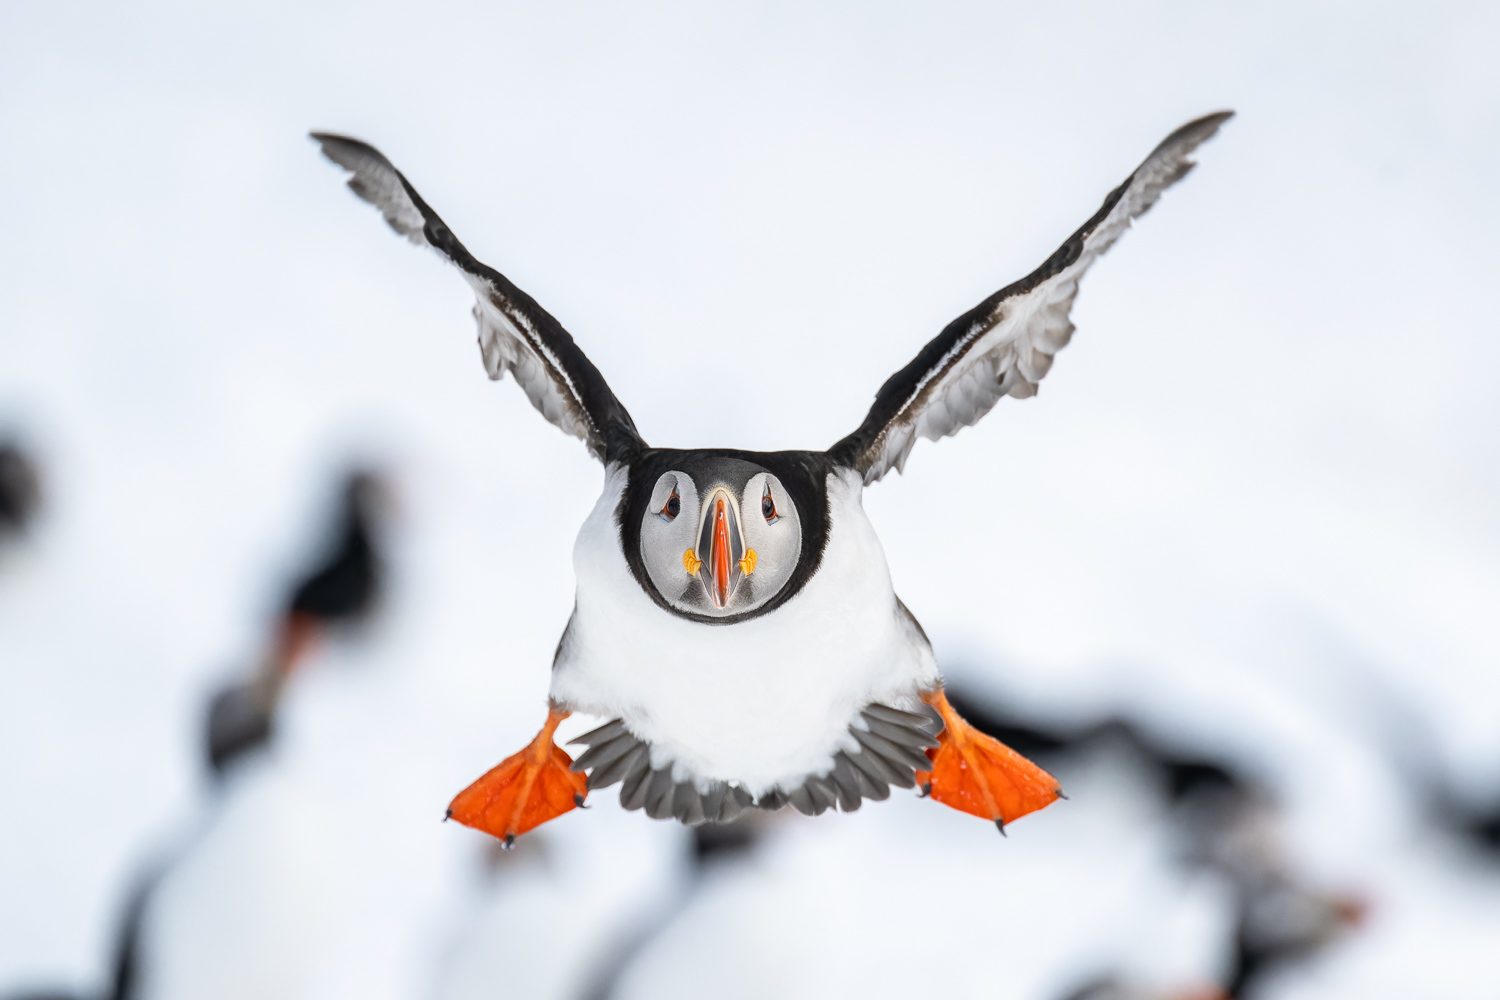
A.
x: 735, y: 619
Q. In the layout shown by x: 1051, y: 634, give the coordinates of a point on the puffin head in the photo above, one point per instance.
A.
x: 719, y: 537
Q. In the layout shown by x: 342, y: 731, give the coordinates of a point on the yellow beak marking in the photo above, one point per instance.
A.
x: 691, y: 562
x: 747, y: 564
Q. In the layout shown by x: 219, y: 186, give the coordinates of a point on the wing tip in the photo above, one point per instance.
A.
x: 1209, y: 123
x: 331, y: 144
x: 1185, y: 138
x: 370, y: 174
x: 327, y: 141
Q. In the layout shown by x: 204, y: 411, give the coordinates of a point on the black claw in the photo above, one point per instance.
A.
x: 1059, y: 792
x: 1000, y: 825
x: 926, y: 790
x: 578, y: 801
x: 509, y: 843
x: 447, y: 815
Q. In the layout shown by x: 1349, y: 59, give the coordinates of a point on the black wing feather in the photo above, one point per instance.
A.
x: 516, y: 334
x: 1004, y: 345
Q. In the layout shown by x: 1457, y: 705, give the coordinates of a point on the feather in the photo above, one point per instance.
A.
x: 687, y: 804
x: 870, y: 788
x: 659, y: 794
x: 912, y: 738
x: 895, y: 716
x: 638, y: 758
x: 881, y: 772
x: 603, y: 734
x: 846, y: 780
x: 633, y: 792
x: 772, y: 800
x: 893, y: 754
x: 735, y: 803
x: 602, y: 754
x: 802, y: 800
x: 1009, y: 339
x: 515, y: 333
x: 713, y: 801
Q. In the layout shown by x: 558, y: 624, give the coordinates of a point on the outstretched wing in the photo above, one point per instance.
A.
x: 1004, y: 345
x: 515, y: 334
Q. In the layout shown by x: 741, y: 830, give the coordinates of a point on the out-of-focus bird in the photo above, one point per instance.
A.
x: 1280, y: 919
x: 735, y: 619
x: 1228, y: 824
x: 20, y: 489
x: 168, y: 945
x: 338, y: 591
x: 1411, y: 743
x: 1110, y: 988
x: 1181, y: 776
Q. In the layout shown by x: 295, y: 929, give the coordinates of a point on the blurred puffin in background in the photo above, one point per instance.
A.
x: 338, y: 592
x: 1226, y: 823
x: 20, y: 489
x: 1464, y: 806
x: 735, y: 619
x: 188, y: 928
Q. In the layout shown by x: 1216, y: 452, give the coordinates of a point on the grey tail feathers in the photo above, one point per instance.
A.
x: 890, y: 742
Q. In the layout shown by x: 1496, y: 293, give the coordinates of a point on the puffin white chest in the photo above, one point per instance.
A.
x: 762, y: 702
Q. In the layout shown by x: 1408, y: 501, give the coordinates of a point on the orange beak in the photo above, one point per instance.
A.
x: 721, y: 560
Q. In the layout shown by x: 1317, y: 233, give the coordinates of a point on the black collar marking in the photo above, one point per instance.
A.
x: 804, y: 474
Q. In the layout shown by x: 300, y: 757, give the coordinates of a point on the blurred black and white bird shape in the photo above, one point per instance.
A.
x: 735, y: 619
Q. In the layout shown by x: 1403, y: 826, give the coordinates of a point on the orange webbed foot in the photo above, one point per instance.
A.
x: 524, y: 790
x: 977, y: 774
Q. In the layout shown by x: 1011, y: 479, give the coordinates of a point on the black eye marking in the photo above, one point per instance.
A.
x: 768, y: 508
x: 673, y: 507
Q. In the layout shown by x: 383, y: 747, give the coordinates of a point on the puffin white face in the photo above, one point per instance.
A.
x: 721, y: 550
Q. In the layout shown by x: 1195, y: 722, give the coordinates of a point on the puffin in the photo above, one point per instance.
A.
x: 338, y: 591
x: 1227, y: 822
x: 20, y: 489
x: 735, y: 619
x: 250, y: 820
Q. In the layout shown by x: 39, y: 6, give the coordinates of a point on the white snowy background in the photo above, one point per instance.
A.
x: 1255, y: 500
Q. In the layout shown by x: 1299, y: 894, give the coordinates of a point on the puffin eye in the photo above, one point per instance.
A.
x: 673, y: 507
x: 768, y: 507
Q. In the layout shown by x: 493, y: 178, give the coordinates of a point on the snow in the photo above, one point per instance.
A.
x: 1255, y: 495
